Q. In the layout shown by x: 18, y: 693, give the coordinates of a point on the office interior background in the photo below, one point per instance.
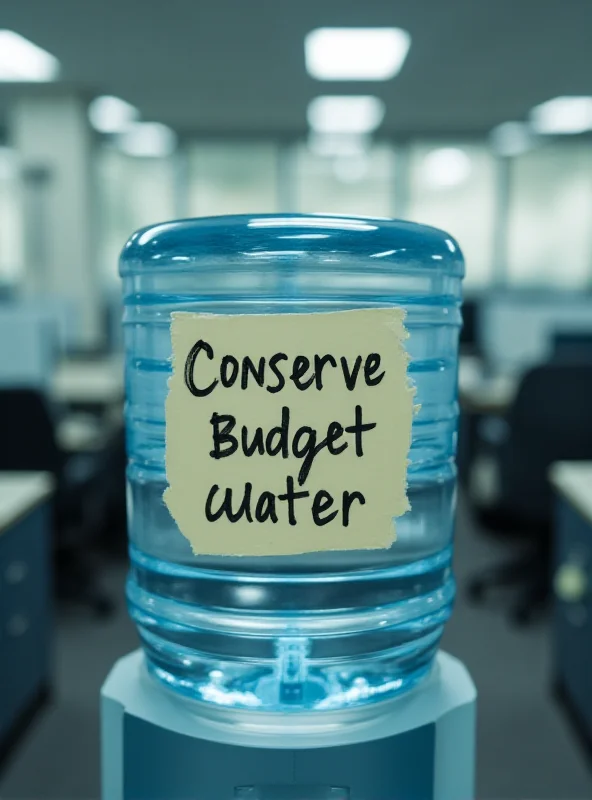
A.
x: 133, y: 113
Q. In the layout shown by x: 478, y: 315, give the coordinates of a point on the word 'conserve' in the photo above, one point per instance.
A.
x: 250, y: 372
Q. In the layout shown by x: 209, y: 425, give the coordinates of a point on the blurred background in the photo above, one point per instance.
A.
x: 473, y: 117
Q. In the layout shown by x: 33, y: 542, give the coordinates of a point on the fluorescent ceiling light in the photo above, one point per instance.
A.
x: 563, y: 115
x: 511, y: 139
x: 111, y: 115
x: 341, y: 114
x: 338, y: 144
x: 446, y: 167
x: 23, y: 61
x: 355, y: 54
x: 150, y: 139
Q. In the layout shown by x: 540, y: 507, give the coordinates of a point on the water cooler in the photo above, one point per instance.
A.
x: 291, y: 422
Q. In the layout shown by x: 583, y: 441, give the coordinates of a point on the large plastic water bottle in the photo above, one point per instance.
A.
x: 324, y: 630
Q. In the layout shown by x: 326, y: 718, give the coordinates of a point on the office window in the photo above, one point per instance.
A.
x: 232, y: 178
x: 550, y: 217
x: 346, y: 185
x: 133, y: 192
x: 11, y: 219
x: 454, y: 187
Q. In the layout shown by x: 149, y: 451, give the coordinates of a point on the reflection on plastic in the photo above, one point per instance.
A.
x: 291, y: 793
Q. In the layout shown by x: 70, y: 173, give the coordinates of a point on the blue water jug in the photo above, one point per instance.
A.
x: 310, y: 632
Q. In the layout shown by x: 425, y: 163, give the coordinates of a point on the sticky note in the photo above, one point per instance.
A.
x: 288, y: 433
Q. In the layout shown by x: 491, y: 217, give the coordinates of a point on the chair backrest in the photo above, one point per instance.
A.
x: 27, y: 433
x: 572, y: 347
x: 550, y: 420
x: 469, y: 333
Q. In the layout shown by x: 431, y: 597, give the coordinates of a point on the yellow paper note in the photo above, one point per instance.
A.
x: 288, y: 433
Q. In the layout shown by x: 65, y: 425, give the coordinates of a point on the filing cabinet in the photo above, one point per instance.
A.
x: 25, y: 602
x: 572, y: 613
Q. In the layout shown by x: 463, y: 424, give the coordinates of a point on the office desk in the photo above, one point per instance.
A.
x: 572, y: 605
x: 25, y: 595
x: 89, y: 382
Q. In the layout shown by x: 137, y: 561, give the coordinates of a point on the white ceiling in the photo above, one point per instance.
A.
x: 237, y: 66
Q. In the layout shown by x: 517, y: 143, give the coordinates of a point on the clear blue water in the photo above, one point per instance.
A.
x: 323, y: 630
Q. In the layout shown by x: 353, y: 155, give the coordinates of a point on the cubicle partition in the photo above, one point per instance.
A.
x: 29, y: 347
x: 517, y: 329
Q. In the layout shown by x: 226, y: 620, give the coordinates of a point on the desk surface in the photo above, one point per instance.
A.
x: 573, y: 479
x: 20, y: 492
x: 96, y: 381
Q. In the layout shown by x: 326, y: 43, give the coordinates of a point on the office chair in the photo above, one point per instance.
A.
x: 470, y: 343
x: 550, y: 420
x: 573, y: 347
x: 114, y: 538
x: 28, y: 444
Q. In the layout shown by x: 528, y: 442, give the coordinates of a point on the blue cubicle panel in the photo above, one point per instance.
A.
x: 29, y: 348
x: 35, y: 332
x: 517, y: 329
x: 62, y: 312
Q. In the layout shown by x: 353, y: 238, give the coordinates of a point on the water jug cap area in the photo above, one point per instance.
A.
x: 292, y: 239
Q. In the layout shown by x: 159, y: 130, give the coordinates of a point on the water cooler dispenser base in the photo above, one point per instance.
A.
x: 420, y: 746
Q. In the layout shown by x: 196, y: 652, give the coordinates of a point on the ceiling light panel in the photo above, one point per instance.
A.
x: 563, y: 115
x: 355, y: 54
x: 337, y: 114
x: 108, y: 114
x: 23, y: 61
